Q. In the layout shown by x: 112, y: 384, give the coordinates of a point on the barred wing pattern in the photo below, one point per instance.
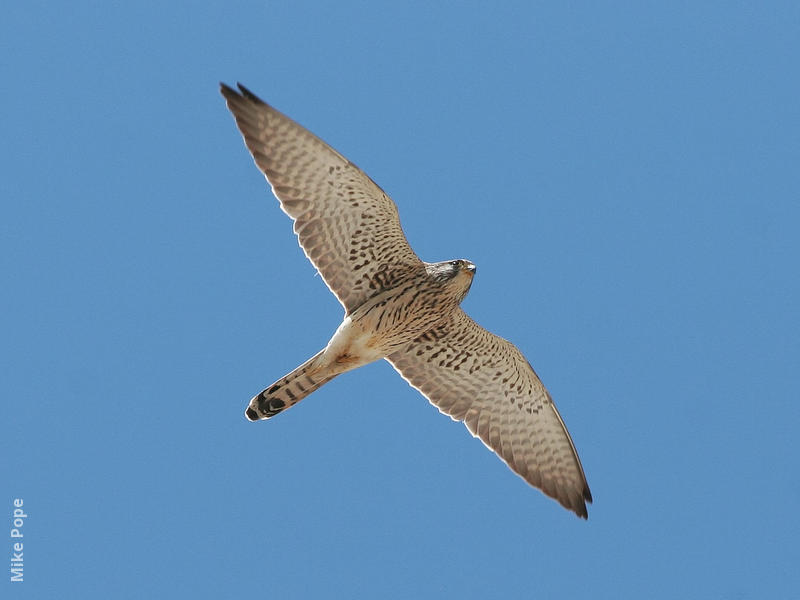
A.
x: 479, y: 378
x: 347, y: 225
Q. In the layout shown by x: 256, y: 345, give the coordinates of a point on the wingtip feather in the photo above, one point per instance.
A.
x: 248, y: 94
x: 581, y: 509
x: 227, y: 91
x: 231, y: 94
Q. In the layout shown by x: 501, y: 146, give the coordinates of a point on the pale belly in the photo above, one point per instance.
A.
x: 383, y: 324
x: 351, y: 346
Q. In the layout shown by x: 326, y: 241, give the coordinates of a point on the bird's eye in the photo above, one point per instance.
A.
x: 455, y: 263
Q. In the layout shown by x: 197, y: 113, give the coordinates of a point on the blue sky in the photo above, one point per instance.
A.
x: 625, y: 176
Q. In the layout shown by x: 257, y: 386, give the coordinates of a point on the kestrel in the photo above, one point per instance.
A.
x: 402, y: 309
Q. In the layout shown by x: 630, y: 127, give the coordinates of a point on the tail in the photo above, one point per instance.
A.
x: 288, y: 390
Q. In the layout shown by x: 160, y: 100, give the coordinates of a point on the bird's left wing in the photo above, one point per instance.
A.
x: 347, y: 225
x: 483, y: 380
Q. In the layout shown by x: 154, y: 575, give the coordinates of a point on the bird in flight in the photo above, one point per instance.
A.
x: 401, y: 309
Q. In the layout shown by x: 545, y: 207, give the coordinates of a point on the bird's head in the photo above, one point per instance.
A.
x: 456, y: 275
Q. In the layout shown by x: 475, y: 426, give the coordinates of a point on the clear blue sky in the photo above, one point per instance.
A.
x: 624, y: 175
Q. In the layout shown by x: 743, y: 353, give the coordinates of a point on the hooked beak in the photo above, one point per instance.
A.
x: 471, y: 268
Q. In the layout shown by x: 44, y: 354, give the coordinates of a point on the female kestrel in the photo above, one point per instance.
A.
x: 402, y: 309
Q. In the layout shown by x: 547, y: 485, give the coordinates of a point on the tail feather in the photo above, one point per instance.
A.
x: 288, y: 390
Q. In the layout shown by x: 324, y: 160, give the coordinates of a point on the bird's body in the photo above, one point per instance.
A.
x: 383, y: 324
x: 402, y: 309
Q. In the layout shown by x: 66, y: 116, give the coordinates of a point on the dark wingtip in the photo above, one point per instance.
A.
x: 581, y: 511
x: 248, y: 94
x: 251, y: 414
x: 227, y: 91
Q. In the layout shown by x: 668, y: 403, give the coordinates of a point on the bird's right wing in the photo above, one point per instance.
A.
x: 347, y: 226
x: 483, y: 380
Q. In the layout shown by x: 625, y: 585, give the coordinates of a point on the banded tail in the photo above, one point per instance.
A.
x: 289, y: 390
